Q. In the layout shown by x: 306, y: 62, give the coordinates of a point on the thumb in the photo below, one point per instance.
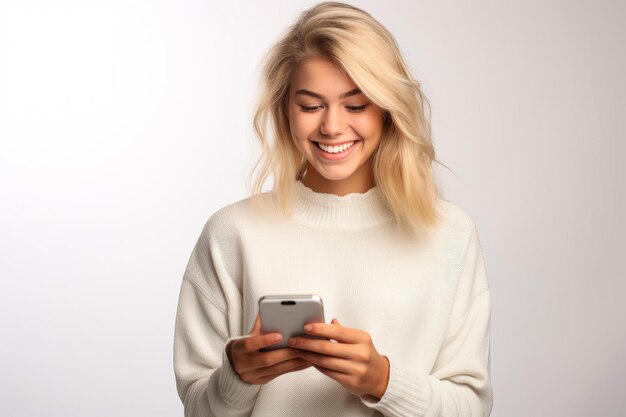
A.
x: 256, y: 328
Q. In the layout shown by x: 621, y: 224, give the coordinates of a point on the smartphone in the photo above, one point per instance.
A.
x: 287, y: 314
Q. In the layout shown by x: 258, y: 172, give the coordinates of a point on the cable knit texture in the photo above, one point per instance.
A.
x: 425, y: 302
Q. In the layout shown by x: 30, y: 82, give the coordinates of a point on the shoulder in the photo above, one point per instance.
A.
x: 457, y: 232
x: 455, y: 219
x: 228, y: 220
x: 224, y: 232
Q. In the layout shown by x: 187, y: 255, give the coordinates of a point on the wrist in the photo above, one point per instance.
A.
x: 228, y: 348
x: 382, y: 387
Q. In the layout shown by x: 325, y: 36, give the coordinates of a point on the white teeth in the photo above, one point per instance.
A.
x: 335, y: 149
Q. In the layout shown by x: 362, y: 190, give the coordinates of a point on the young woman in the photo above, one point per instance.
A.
x: 355, y: 216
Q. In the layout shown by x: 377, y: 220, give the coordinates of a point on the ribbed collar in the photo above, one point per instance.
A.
x: 348, y: 212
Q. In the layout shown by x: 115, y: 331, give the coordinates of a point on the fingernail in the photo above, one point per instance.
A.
x: 308, y: 327
x: 277, y: 337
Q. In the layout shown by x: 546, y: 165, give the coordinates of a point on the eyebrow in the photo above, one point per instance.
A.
x: 316, y: 95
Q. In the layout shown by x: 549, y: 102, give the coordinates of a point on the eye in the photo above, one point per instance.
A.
x: 356, y: 108
x: 310, y: 109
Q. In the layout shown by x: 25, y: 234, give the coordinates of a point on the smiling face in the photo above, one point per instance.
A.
x: 327, y: 110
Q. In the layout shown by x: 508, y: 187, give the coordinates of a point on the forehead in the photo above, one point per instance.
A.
x: 322, y: 76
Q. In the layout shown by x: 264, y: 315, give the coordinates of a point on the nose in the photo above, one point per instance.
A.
x: 332, y: 123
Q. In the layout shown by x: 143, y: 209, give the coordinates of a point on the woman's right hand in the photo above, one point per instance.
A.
x: 257, y: 367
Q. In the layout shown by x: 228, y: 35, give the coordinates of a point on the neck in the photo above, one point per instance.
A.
x: 359, y: 182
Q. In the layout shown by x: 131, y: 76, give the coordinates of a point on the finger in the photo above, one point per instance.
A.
x: 340, y: 377
x: 337, y: 332
x: 301, y: 367
x: 272, y: 357
x: 328, y: 362
x: 266, y: 379
x: 252, y: 361
x: 254, y: 343
x: 283, y: 367
x: 325, y: 347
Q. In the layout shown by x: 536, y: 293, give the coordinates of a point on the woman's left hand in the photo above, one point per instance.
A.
x: 352, y: 360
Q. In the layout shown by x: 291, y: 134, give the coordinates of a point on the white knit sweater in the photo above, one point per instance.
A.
x: 425, y: 304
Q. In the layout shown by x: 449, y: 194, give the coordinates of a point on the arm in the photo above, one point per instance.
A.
x: 208, y: 317
x: 459, y: 384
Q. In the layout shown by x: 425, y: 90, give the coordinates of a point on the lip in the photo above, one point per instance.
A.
x: 335, y: 144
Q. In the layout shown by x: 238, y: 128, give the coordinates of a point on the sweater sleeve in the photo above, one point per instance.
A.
x: 459, y: 384
x: 208, y: 317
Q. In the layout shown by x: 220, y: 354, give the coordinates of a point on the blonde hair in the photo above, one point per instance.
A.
x: 369, y: 55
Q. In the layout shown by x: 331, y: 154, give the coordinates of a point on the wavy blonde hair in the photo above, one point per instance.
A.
x: 369, y: 55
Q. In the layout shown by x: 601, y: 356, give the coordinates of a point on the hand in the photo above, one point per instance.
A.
x: 257, y: 367
x: 351, y: 360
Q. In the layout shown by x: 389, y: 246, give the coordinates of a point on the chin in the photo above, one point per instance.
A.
x: 334, y: 173
x: 337, y: 177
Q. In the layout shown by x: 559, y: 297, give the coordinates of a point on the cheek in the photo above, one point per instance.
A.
x: 369, y: 127
x: 302, y: 126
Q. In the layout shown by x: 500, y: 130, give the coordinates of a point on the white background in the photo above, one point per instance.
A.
x: 125, y: 124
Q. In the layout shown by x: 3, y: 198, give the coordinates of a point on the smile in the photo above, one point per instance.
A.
x: 336, y: 152
x: 335, y: 148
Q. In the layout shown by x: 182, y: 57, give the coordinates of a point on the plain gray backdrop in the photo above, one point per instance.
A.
x: 125, y: 124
